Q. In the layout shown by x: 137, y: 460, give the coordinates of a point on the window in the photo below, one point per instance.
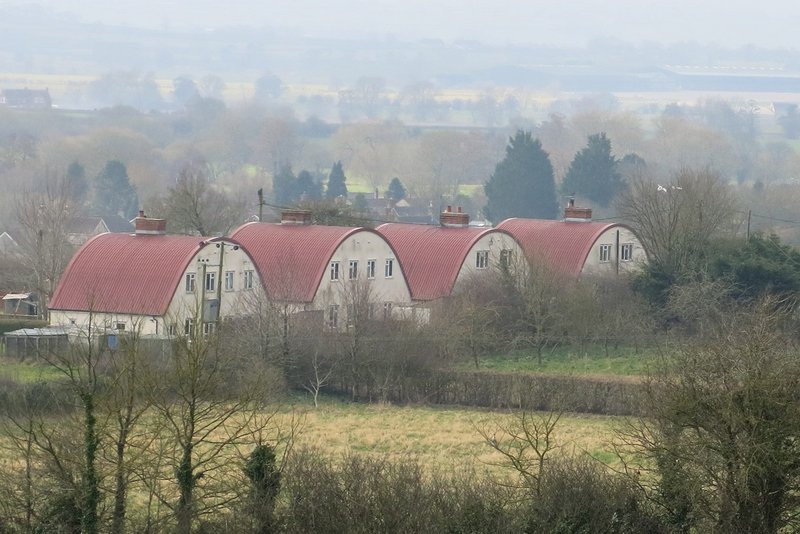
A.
x: 333, y: 316
x: 352, y: 272
x: 173, y: 329
x: 482, y: 259
x: 208, y: 328
x: 228, y: 280
x: 120, y: 326
x: 190, y: 282
x: 334, y: 270
x: 211, y: 281
x: 370, y: 269
x: 626, y: 252
x: 387, y: 270
x: 605, y: 253
x: 370, y: 311
x: 506, y: 257
x: 387, y: 311
x: 188, y: 327
x: 248, y: 279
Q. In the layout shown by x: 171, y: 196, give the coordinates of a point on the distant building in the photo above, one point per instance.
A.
x: 317, y: 269
x: 26, y: 98
x: 152, y: 282
x: 80, y: 229
x: 437, y: 257
x: 576, y: 245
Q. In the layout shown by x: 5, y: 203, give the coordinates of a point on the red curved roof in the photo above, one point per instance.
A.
x: 565, y: 245
x: 125, y: 273
x: 292, y: 259
x: 431, y: 256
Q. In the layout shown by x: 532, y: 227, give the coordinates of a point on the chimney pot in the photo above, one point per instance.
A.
x: 148, y: 226
x: 450, y: 219
x: 295, y: 216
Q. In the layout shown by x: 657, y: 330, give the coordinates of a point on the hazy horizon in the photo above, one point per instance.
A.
x: 733, y: 23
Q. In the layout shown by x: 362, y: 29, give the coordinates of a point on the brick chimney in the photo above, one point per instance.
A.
x: 295, y: 216
x: 146, y: 226
x: 457, y: 219
x: 573, y: 214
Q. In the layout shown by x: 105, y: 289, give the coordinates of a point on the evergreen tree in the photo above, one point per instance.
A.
x: 283, y: 186
x: 113, y: 192
x: 593, y: 173
x: 78, y: 186
x: 306, y: 187
x: 522, y: 184
x: 336, y: 182
x: 396, y: 191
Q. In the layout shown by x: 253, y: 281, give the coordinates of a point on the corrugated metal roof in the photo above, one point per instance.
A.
x: 431, y: 256
x: 564, y: 245
x: 292, y: 259
x: 125, y: 273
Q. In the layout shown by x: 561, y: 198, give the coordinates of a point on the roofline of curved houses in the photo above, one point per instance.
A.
x: 184, y: 261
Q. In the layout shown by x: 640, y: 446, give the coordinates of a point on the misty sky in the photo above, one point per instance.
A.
x: 768, y: 23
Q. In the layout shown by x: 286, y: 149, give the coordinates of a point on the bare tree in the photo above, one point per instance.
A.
x: 196, y: 205
x: 211, y: 402
x: 676, y: 219
x: 43, y: 211
x: 717, y: 446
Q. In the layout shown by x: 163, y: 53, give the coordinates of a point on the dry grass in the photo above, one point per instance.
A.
x: 436, y: 436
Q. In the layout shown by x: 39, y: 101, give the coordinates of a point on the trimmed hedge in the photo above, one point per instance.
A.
x: 498, y: 390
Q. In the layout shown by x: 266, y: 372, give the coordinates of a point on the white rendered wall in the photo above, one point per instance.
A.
x: 593, y: 265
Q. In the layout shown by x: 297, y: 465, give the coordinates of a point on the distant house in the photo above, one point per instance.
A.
x: 81, y: 229
x: 576, y: 245
x: 320, y: 269
x: 406, y: 210
x: 8, y: 245
x: 437, y: 257
x: 154, y: 283
x: 26, y: 98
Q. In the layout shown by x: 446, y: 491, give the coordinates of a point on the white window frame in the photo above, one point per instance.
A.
x: 188, y: 327
x: 333, y: 317
x: 506, y: 257
x: 229, y: 277
x: 388, y: 268
x: 626, y: 252
x: 387, y: 311
x: 190, y: 282
x: 352, y: 270
x: 211, y: 282
x: 605, y: 253
x: 208, y: 328
x: 172, y: 329
x: 370, y: 269
x: 334, y: 271
x: 482, y: 259
x: 248, y: 279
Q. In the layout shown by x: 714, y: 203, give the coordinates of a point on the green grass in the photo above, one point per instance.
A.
x: 26, y: 372
x: 572, y: 361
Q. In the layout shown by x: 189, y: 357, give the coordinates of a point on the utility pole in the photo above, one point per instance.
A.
x: 260, y: 204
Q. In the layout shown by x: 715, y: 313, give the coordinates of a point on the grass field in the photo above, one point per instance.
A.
x: 591, y: 361
x: 26, y: 372
x: 444, y: 437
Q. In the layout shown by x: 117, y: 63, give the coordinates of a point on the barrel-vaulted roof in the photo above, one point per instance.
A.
x: 126, y: 273
x: 292, y: 258
x: 564, y: 245
x: 432, y: 256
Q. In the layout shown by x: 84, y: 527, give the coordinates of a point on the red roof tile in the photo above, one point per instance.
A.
x: 292, y: 259
x: 125, y: 273
x: 565, y: 245
x: 431, y: 256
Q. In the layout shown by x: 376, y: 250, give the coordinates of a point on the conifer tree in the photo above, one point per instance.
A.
x: 593, y: 172
x: 522, y: 184
x: 336, y: 182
